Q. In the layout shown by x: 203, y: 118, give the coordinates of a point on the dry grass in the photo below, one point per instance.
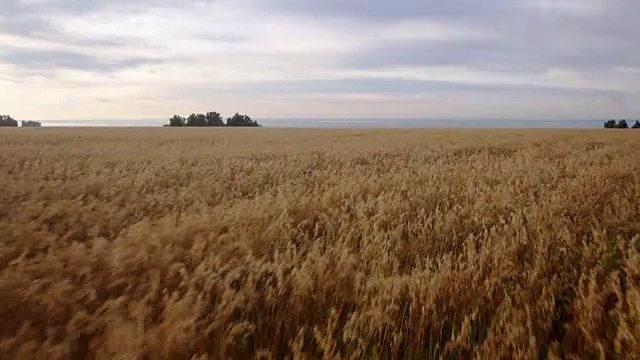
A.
x: 238, y: 243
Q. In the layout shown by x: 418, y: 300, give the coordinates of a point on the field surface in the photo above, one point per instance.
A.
x: 243, y: 243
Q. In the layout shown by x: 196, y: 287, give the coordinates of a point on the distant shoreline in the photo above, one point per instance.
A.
x: 356, y: 123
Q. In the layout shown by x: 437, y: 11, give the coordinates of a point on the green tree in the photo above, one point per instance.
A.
x: 636, y: 125
x: 623, y: 124
x: 7, y: 120
x: 611, y: 124
x: 196, y: 120
x: 214, y: 119
x: 241, y: 120
x: 177, y: 120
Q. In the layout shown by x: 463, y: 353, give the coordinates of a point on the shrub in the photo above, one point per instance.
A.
x: 28, y: 123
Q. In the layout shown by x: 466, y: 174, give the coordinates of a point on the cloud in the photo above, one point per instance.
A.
x: 537, y: 58
x: 38, y: 60
x: 402, y: 86
x: 385, y: 11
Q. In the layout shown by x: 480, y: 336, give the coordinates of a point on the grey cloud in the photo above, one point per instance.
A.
x: 384, y: 10
x: 46, y: 60
x: 426, y: 53
x: 388, y: 86
x: 38, y: 20
x: 530, y: 41
x: 17, y: 7
x: 492, y: 55
x: 617, y: 15
x: 42, y: 29
x: 351, y: 9
x: 35, y: 21
x: 25, y: 25
x: 530, y: 37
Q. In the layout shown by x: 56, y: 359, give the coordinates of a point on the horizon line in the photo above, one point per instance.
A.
x: 333, y: 120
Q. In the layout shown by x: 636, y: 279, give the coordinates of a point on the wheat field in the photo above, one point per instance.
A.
x: 305, y: 244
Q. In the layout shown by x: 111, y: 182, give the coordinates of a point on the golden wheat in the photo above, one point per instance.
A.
x: 242, y: 243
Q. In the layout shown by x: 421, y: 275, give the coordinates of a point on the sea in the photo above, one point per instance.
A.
x: 356, y: 123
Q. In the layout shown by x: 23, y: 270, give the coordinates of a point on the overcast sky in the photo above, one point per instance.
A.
x: 525, y: 59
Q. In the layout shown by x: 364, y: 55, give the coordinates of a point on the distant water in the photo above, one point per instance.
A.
x: 345, y: 124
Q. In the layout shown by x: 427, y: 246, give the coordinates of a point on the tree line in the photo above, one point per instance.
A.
x: 622, y: 124
x: 211, y: 119
x: 215, y: 119
x: 8, y: 121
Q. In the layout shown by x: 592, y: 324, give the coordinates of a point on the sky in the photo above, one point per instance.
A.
x: 462, y: 59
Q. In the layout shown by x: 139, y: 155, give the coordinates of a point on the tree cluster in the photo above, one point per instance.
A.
x: 211, y: 119
x: 622, y: 124
x: 29, y: 123
x: 7, y: 120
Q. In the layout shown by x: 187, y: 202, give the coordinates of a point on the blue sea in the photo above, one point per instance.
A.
x: 359, y: 124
